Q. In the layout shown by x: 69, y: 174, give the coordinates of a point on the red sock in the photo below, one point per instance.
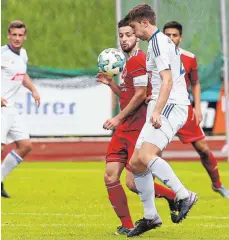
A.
x: 161, y: 191
x: 118, y: 200
x: 210, y: 164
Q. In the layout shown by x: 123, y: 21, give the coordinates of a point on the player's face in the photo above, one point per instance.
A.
x: 174, y: 35
x: 139, y: 29
x: 17, y: 37
x: 127, y: 38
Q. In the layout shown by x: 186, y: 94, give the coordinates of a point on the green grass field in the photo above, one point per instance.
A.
x: 69, y: 201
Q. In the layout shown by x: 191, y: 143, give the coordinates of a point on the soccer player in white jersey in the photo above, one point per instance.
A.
x: 13, y: 76
x: 167, y: 112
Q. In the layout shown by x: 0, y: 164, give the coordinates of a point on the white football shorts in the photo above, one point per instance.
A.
x: 12, y: 126
x: 173, y: 117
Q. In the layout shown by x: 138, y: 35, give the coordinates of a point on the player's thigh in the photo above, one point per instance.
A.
x: 7, y: 121
x: 117, y: 149
x: 173, y: 117
x: 116, y: 157
x: 190, y: 132
x: 131, y: 140
x: 19, y: 130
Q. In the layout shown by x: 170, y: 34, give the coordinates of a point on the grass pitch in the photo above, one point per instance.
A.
x: 69, y: 201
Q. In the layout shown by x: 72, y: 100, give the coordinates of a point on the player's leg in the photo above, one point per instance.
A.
x: 116, y: 160
x: 160, y: 191
x: 6, y: 124
x: 152, y: 141
x: 15, y: 157
x: 3, y: 192
x: 210, y: 164
x: 193, y: 133
x: 18, y: 133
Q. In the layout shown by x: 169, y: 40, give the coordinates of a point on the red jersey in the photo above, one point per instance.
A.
x: 133, y: 75
x: 191, y: 68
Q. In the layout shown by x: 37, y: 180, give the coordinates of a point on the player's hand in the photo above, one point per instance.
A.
x: 36, y: 97
x: 156, y: 120
x: 103, y: 78
x: 3, y: 102
x: 112, y: 123
x: 198, y: 114
x: 148, y: 99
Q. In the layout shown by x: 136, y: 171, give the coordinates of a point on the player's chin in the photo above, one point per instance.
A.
x: 126, y: 49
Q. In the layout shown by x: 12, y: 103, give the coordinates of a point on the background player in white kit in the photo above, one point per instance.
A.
x: 167, y: 112
x: 13, y: 76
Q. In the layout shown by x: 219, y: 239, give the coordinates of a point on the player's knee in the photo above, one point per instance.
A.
x: 110, y: 177
x: 146, y: 158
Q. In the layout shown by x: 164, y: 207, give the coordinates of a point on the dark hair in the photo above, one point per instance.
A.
x: 123, y: 23
x: 141, y: 12
x: 16, y: 24
x: 173, y: 24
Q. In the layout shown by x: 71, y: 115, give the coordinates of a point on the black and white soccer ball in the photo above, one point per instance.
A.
x: 111, y: 61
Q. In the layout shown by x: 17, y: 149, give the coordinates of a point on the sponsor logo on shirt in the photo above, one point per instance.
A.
x: 18, y: 77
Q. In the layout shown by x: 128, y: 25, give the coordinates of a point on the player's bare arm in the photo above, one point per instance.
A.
x: 138, y: 98
x: 165, y: 90
x: 27, y: 82
x: 109, y: 81
x: 196, y: 92
x: 3, y: 102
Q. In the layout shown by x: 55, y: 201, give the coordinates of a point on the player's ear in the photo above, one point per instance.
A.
x: 25, y: 37
x: 181, y: 38
x: 138, y: 40
x: 8, y: 36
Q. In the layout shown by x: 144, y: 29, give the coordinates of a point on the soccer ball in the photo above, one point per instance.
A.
x: 111, y: 61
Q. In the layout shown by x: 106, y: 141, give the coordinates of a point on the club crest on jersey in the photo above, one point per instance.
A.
x: 18, y: 77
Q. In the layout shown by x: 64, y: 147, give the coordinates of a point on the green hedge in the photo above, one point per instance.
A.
x: 66, y: 34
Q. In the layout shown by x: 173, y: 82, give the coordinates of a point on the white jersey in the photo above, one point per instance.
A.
x: 13, y: 70
x: 162, y: 54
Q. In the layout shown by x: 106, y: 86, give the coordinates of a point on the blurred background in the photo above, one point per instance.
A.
x: 63, y: 42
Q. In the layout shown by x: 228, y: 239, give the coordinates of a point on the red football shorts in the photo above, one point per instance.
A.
x: 190, y: 132
x: 122, y: 147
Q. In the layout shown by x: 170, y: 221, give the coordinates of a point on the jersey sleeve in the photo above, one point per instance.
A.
x: 137, y: 70
x: 24, y: 55
x: 194, y: 72
x: 161, y: 54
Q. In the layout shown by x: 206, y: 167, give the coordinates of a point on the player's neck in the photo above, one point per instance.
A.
x: 133, y: 51
x: 14, y: 49
x: 151, y: 31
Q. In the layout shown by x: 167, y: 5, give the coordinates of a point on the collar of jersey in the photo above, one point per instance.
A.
x: 154, y: 34
x: 12, y: 50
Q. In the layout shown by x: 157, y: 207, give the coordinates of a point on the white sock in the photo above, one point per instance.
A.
x: 162, y: 170
x: 9, y: 163
x: 145, y: 187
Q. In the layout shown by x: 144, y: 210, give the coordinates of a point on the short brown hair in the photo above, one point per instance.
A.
x: 16, y: 24
x: 123, y: 23
x: 141, y: 12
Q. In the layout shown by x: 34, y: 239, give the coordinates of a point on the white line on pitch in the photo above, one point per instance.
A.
x: 95, y: 215
x: 52, y: 214
x: 100, y: 224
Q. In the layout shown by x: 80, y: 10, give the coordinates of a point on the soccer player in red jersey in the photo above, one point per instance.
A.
x: 132, y: 93
x: 191, y: 132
